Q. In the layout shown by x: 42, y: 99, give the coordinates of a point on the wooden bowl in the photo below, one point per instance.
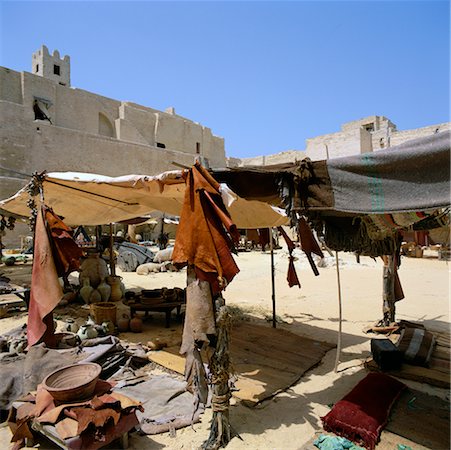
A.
x: 73, y: 383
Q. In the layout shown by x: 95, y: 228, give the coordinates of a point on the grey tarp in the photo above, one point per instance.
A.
x: 413, y: 176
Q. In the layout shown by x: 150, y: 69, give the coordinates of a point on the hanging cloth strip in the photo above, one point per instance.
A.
x: 292, y: 276
x: 309, y: 244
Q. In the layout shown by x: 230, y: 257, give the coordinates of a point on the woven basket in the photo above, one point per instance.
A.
x: 103, y: 312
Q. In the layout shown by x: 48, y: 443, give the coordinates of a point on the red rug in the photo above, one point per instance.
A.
x: 361, y: 414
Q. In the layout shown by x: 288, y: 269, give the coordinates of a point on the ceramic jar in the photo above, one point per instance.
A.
x: 94, y: 268
x: 17, y: 346
x: 116, y: 291
x: 105, y: 290
x: 87, y: 331
x: 108, y: 327
x: 136, y: 324
x: 123, y: 323
x: 95, y: 297
x: 86, y: 291
x: 71, y: 326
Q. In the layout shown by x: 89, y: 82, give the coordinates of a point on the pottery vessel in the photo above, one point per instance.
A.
x: 87, y: 332
x: 123, y: 323
x: 105, y: 290
x: 116, y: 290
x: 108, y: 327
x: 86, y: 291
x: 94, y: 268
x: 71, y: 326
x: 95, y: 297
x: 136, y: 324
x: 17, y: 346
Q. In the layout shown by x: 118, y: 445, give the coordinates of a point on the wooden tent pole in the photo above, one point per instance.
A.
x: 337, y: 358
x: 273, y: 284
x: 388, y: 290
x: 112, y: 266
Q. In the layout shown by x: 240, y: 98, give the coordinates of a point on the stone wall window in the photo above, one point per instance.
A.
x: 369, y: 127
x: 41, y: 108
x: 198, y: 148
x: 37, y: 68
x: 161, y: 145
x: 56, y: 69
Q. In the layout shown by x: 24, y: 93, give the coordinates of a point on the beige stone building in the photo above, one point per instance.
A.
x: 45, y: 124
x: 359, y: 136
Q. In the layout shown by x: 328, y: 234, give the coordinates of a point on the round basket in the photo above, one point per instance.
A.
x: 103, y: 312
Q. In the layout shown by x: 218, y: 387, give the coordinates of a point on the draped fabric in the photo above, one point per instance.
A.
x: 46, y: 291
x: 206, y: 234
x: 55, y: 254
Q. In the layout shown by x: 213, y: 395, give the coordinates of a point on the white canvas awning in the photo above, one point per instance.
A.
x: 91, y: 199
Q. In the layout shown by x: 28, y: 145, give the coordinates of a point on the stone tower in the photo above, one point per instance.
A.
x: 51, y: 66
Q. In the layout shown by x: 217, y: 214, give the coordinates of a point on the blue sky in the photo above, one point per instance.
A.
x: 263, y: 75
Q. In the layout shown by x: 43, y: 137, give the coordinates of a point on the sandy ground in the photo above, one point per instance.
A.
x: 292, y: 418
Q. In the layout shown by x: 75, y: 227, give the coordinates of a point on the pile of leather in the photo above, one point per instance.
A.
x: 94, y: 421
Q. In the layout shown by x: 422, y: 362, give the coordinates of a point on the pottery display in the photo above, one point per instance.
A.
x: 136, y: 324
x: 93, y: 268
x: 116, y: 290
x: 123, y: 323
x: 71, y: 326
x: 86, y: 291
x: 105, y: 290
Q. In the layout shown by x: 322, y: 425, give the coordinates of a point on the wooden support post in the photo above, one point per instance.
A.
x: 112, y: 263
x: 337, y: 358
x: 273, y: 283
x: 388, y: 290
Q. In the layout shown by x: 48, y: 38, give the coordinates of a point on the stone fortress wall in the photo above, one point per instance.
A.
x: 369, y: 134
x: 45, y: 124
x: 88, y: 132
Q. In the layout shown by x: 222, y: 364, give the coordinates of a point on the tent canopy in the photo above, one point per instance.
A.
x: 90, y: 199
x: 414, y: 176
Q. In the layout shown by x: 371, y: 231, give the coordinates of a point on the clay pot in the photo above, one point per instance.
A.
x: 86, y: 291
x: 94, y: 268
x: 123, y: 323
x: 17, y: 346
x: 136, y: 324
x: 105, y: 290
x: 87, y: 332
x: 95, y: 296
x: 71, y: 326
x: 108, y: 327
x: 116, y: 290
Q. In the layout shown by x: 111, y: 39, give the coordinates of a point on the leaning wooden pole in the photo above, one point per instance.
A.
x: 340, y: 315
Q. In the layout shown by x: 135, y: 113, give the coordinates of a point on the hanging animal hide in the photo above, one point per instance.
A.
x: 206, y: 234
